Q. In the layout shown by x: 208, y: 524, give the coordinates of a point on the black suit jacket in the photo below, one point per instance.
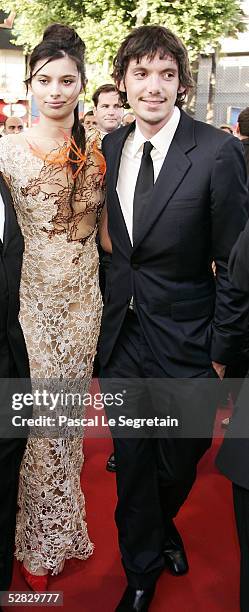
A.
x: 233, y: 457
x: 198, y: 207
x: 11, y: 251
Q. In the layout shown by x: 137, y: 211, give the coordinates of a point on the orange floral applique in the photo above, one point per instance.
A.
x: 62, y: 157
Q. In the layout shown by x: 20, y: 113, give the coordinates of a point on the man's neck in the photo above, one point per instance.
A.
x: 149, y: 130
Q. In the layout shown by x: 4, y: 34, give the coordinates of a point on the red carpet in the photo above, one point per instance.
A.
x: 206, y: 523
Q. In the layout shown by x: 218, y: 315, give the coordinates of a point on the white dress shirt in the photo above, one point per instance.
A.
x: 2, y: 217
x: 131, y: 160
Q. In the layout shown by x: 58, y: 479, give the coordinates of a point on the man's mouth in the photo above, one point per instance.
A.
x: 153, y: 100
x: 55, y: 104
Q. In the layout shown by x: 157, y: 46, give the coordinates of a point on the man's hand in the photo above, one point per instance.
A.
x: 219, y: 369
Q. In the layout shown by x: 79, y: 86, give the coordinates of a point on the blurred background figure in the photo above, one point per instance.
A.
x: 242, y: 132
x: 226, y: 128
x: 128, y: 118
x: 13, y: 125
x: 88, y: 120
x: 108, y: 108
x: 108, y: 112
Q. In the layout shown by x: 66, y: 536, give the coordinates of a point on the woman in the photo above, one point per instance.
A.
x: 56, y: 182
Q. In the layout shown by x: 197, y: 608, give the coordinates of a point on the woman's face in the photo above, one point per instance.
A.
x: 56, y: 86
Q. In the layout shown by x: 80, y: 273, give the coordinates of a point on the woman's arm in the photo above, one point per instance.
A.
x: 105, y: 240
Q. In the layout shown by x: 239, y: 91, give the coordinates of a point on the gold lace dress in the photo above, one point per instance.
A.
x: 60, y: 315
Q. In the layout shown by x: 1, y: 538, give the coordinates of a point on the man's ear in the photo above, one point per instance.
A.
x: 236, y: 129
x: 181, y: 89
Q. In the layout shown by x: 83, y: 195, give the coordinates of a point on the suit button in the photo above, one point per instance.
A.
x: 135, y: 266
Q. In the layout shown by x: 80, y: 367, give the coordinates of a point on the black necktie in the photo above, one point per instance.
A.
x: 143, y: 188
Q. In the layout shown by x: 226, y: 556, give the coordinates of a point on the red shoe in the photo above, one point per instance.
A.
x: 38, y: 584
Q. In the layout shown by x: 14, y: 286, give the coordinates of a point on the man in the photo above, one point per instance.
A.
x: 233, y: 457
x: 108, y: 114
x: 176, y: 202
x: 108, y: 108
x: 89, y: 120
x: 13, y: 365
x: 13, y: 125
x: 242, y: 132
x: 226, y: 128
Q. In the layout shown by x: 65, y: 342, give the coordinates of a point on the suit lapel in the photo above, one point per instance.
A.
x: 114, y: 169
x: 174, y: 168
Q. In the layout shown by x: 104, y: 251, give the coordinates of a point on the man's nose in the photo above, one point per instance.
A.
x: 154, y: 83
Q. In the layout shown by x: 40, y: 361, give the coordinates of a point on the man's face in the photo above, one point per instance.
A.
x: 89, y: 122
x: 152, y: 87
x: 109, y: 111
x: 13, y: 125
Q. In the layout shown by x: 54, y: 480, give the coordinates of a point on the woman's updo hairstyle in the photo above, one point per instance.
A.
x: 60, y: 40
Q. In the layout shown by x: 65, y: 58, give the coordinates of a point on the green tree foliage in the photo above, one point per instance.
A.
x: 104, y: 23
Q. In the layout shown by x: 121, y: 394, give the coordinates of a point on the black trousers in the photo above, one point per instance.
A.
x: 241, y: 507
x: 11, y: 453
x: 154, y: 475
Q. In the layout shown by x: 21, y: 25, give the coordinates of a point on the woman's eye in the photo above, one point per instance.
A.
x: 67, y: 82
x: 43, y: 81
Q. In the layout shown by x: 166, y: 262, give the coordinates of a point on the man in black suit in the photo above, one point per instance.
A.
x: 176, y: 202
x: 242, y: 132
x: 233, y: 457
x: 13, y: 365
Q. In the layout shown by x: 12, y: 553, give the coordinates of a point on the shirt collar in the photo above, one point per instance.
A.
x: 161, y: 139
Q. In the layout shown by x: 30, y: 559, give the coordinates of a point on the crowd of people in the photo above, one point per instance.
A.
x: 110, y: 228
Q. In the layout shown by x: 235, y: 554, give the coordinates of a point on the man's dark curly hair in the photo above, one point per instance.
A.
x: 147, y: 41
x: 243, y: 121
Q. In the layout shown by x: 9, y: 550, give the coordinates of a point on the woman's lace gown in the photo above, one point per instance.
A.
x: 60, y: 316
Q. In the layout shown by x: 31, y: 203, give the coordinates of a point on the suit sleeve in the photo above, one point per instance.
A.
x: 229, y: 214
x: 239, y: 262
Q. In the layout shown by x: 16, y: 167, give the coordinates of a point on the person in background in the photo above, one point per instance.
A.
x: 233, y: 457
x: 108, y: 112
x: 226, y: 128
x: 89, y: 120
x: 242, y: 132
x: 13, y: 125
x: 13, y: 365
x: 108, y: 108
x: 240, y: 369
